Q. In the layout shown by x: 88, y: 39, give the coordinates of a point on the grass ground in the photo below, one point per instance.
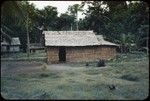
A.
x: 129, y: 73
x: 38, y: 55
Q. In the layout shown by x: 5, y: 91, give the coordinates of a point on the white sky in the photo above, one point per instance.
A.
x: 62, y: 6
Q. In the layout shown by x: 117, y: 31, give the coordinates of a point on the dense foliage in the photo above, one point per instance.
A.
x: 119, y: 22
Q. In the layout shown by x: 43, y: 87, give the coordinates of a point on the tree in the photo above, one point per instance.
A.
x: 115, y: 19
x: 10, y: 15
x: 47, y: 17
x: 12, y: 18
x: 73, y: 10
x: 64, y: 22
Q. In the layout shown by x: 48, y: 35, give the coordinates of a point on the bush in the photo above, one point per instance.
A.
x: 87, y: 64
x: 129, y: 77
x: 44, y: 67
x: 101, y: 63
x: 44, y: 75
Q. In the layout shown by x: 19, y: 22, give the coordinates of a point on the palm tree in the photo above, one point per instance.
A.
x: 14, y: 10
x: 11, y: 9
x: 74, y: 11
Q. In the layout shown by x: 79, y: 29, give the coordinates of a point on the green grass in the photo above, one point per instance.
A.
x: 129, y: 75
x: 37, y: 56
x: 21, y: 55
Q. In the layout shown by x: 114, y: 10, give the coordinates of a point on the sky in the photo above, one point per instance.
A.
x: 62, y: 6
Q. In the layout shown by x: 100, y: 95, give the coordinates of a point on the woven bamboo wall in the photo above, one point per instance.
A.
x: 79, y: 54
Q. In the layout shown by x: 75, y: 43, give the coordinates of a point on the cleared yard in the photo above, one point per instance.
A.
x: 26, y: 80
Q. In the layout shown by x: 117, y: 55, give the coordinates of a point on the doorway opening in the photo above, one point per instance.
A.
x: 62, y: 54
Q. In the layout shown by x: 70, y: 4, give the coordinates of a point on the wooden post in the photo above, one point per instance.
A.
x: 77, y: 26
x: 28, y: 42
x: 147, y: 42
x: 77, y: 21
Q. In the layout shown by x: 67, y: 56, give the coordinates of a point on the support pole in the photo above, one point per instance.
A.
x: 71, y: 26
x: 28, y: 42
x: 77, y: 21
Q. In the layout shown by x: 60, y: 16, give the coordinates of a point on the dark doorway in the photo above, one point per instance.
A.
x: 62, y: 54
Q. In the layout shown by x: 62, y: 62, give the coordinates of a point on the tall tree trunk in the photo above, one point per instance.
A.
x: 77, y: 21
x: 147, y: 45
x: 71, y: 26
x: 28, y: 42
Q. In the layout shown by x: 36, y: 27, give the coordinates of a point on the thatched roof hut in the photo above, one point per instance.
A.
x: 77, y: 46
x: 15, y: 44
x: 15, y: 41
x: 12, y: 46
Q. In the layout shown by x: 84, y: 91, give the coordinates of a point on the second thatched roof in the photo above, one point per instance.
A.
x: 104, y: 42
x: 15, y: 41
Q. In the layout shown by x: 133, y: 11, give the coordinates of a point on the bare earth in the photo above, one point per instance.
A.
x: 20, y: 67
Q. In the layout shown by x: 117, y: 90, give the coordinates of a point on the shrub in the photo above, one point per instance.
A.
x: 101, y: 63
x: 87, y: 64
x: 129, y: 77
x: 44, y: 67
x: 44, y: 75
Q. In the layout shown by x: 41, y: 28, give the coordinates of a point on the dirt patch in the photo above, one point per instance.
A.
x: 129, y: 77
x: 14, y: 68
x: 20, y: 67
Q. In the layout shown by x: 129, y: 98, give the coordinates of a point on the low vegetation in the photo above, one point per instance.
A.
x: 126, y: 77
x: 101, y: 63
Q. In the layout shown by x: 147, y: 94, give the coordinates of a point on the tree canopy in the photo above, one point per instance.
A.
x: 122, y: 22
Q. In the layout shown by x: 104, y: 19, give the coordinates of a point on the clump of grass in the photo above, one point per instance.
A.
x: 55, y: 75
x: 71, y: 80
x: 71, y: 73
x: 51, y: 75
x: 101, y: 63
x: 44, y: 67
x: 89, y: 80
x: 91, y: 72
x: 44, y: 75
x: 87, y: 64
x: 41, y: 94
x: 129, y: 77
x: 44, y: 95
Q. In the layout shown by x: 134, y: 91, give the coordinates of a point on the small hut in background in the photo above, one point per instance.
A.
x: 15, y: 45
x: 4, y: 46
x: 77, y: 46
x: 12, y: 46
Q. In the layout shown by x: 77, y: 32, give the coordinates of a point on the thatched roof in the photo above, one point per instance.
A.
x: 15, y: 41
x: 72, y: 38
x: 4, y: 43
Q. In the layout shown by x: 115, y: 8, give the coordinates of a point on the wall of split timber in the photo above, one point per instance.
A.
x: 53, y: 54
x: 80, y: 54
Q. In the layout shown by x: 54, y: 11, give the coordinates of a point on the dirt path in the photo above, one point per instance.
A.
x: 19, y: 67
x: 13, y: 68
